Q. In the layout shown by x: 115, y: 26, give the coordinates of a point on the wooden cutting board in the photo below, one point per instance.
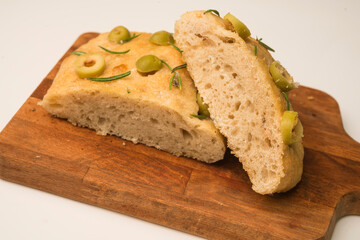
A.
x: 213, y: 201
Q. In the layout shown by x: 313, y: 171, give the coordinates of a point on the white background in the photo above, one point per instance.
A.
x: 318, y: 42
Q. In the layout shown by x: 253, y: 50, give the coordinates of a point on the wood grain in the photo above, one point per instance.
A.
x: 213, y: 201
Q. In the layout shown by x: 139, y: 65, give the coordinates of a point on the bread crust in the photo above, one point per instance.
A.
x: 243, y: 99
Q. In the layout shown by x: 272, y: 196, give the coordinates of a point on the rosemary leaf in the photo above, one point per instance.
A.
x: 78, y: 53
x: 128, y: 91
x: 171, y: 81
x: 109, y: 51
x: 287, y: 100
x: 198, y: 116
x: 179, y: 78
x: 166, y: 64
x: 255, y: 50
x: 129, y: 39
x: 110, y: 78
x: 176, y: 48
x: 213, y: 11
x: 264, y: 45
x: 179, y: 67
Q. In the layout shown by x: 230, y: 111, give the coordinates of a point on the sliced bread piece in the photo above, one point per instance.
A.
x: 244, y: 102
x: 139, y: 108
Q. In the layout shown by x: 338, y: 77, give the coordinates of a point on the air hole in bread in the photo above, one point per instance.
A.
x: 173, y: 125
x: 222, y: 76
x: 249, y: 137
x: 234, y: 75
x: 231, y: 116
x: 237, y: 105
x: 238, y: 86
x: 228, y: 68
x: 208, y: 85
x: 130, y: 112
x: 199, y: 35
x: 154, y: 121
x: 268, y: 142
x: 186, y: 135
x: 227, y: 39
x: 121, y: 116
x: 101, y: 120
x: 217, y: 67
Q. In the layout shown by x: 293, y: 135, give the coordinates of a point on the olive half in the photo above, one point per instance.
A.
x: 239, y: 26
x: 118, y: 34
x: 162, y: 38
x: 291, y: 127
x: 148, y: 64
x: 281, y: 77
x: 90, y: 65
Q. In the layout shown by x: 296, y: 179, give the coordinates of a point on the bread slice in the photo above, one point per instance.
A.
x: 137, y: 108
x: 244, y: 103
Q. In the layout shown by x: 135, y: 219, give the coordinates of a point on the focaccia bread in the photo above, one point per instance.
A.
x: 232, y: 76
x: 139, y: 107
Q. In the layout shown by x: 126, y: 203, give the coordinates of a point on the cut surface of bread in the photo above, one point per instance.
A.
x: 244, y: 102
x: 138, y: 108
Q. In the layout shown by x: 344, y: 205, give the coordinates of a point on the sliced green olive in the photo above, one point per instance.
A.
x: 281, y: 77
x: 90, y: 65
x: 119, y: 33
x: 148, y: 64
x: 162, y: 38
x: 291, y: 127
x: 239, y: 26
x: 203, y: 107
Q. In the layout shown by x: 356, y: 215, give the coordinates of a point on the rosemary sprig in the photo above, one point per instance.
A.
x: 166, y: 64
x: 129, y: 39
x: 255, y: 50
x: 213, y: 11
x: 110, y: 78
x: 176, y: 47
x: 179, y: 67
x: 264, y: 45
x: 287, y: 100
x: 198, y: 116
x: 127, y: 90
x: 78, y: 53
x: 109, y: 51
x: 171, y: 81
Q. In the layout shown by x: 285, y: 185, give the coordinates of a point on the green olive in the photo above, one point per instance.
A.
x: 148, y: 64
x: 291, y: 127
x: 162, y: 38
x: 281, y: 77
x: 203, y: 107
x: 90, y: 65
x: 118, y: 34
x: 239, y: 26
